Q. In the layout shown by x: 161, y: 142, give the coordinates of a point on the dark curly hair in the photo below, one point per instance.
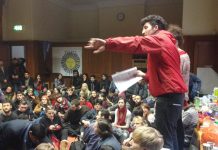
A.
x: 155, y: 20
x: 104, y: 128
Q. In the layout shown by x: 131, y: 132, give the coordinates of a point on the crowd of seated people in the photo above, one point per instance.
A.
x: 91, y: 110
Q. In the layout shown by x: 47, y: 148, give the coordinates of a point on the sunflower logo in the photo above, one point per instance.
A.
x: 70, y: 61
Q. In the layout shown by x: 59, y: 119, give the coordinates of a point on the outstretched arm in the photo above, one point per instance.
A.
x: 98, y: 45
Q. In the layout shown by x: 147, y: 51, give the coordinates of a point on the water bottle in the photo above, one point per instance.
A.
x: 197, y: 103
x: 206, y: 146
x: 216, y: 117
x: 215, y: 91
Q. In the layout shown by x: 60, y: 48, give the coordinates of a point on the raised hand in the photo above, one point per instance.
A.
x: 98, y: 45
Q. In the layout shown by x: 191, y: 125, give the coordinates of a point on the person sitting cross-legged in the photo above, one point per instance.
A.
x: 71, y: 125
x: 122, y: 119
x: 52, y: 122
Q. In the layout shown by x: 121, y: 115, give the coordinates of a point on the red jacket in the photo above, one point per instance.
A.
x: 88, y: 104
x: 163, y: 60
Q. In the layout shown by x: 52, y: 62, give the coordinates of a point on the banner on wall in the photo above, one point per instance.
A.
x: 66, y: 59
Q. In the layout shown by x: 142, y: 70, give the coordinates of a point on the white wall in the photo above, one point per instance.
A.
x: 209, y: 79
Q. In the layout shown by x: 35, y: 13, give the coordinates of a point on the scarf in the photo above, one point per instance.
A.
x: 121, y: 113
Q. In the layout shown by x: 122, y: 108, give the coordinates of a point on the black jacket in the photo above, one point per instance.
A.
x: 14, y: 135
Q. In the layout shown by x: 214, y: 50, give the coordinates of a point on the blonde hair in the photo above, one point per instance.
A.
x: 139, y: 119
x: 45, y: 146
x: 85, y: 91
x: 148, y: 138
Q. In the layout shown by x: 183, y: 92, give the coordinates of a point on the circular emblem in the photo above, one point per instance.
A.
x: 120, y: 16
x: 70, y: 61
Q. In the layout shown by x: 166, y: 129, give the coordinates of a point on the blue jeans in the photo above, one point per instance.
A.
x: 168, y: 112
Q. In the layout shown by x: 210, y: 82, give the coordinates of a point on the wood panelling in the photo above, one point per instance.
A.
x: 106, y: 62
x: 35, y: 63
x: 203, y: 51
x: 31, y: 58
x: 5, y: 53
x: 1, y: 12
x: 216, y: 54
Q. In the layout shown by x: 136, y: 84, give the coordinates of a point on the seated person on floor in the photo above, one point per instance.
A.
x: 39, y: 110
x: 45, y: 146
x: 23, y: 111
x: 190, y: 121
x: 104, y: 129
x: 61, y: 103
x: 21, y: 135
x: 137, y: 121
x: 93, y: 97
x: 72, y: 118
x: 135, y: 101
x: 145, y: 138
x: 122, y: 118
x: 91, y: 114
x: 194, y: 87
x: 52, y: 122
x: 7, y: 113
x: 90, y: 137
x: 84, y: 101
x: 141, y: 89
x: 70, y: 94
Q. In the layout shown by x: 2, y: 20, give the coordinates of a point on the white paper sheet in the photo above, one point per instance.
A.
x: 125, y: 79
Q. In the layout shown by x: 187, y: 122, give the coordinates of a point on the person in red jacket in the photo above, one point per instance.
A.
x: 163, y: 71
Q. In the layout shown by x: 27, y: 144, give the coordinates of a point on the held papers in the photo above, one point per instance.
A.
x: 125, y: 79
